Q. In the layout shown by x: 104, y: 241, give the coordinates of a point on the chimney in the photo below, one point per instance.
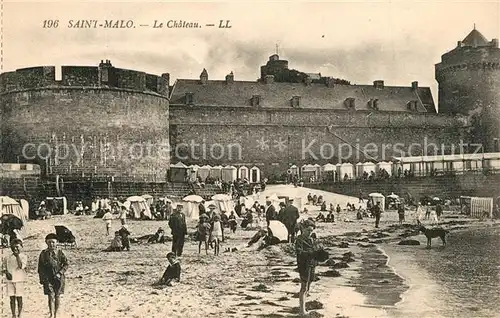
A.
x: 204, y: 76
x: 494, y: 43
x: 330, y: 82
x: 166, y: 77
x: 163, y: 84
x: 230, y: 78
x: 268, y: 79
x: 414, y: 85
x: 103, y: 71
x: 459, y: 43
x: 379, y: 84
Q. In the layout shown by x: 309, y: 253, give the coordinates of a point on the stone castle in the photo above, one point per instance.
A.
x: 125, y: 124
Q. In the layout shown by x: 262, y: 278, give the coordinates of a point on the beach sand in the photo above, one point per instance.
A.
x: 245, y: 283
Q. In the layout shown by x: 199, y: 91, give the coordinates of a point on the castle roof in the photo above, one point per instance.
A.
x: 313, y: 96
x: 475, y: 38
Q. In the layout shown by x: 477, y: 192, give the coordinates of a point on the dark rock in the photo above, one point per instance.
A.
x: 331, y: 273
x: 261, y: 288
x: 343, y: 245
x: 314, y: 305
x: 250, y: 297
x: 296, y: 280
x: 384, y: 281
x: 283, y: 298
x: 268, y: 302
x: 409, y: 242
x: 365, y: 245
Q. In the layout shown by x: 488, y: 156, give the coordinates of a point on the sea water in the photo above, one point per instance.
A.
x: 459, y: 280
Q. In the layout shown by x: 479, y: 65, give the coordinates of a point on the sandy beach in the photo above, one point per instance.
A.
x: 244, y: 283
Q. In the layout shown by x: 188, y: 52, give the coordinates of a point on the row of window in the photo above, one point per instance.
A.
x: 349, y: 103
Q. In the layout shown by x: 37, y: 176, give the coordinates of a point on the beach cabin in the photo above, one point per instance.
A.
x: 387, y: 166
x: 345, y: 169
x: 216, y: 172
x: 328, y: 172
x: 309, y: 173
x: 369, y: 167
x: 243, y: 173
x: 376, y: 198
x: 318, y: 171
x: 204, y: 172
x: 294, y: 170
x: 178, y: 172
x: 254, y: 174
x: 359, y: 170
x: 492, y: 162
x: 229, y: 173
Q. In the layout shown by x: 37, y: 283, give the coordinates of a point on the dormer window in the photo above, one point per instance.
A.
x: 255, y: 100
x: 189, y: 100
x: 373, y: 103
x: 295, y: 101
x: 350, y: 103
x: 412, y: 105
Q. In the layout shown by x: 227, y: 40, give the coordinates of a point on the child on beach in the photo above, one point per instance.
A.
x: 306, y: 247
x: 173, y: 271
x: 232, y: 222
x: 107, y: 217
x: 124, y: 235
x: 203, y: 232
x: 401, y: 213
x: 14, y: 268
x: 217, y: 234
x: 52, y: 266
x: 116, y: 243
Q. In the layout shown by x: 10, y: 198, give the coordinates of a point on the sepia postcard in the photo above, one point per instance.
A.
x: 249, y: 159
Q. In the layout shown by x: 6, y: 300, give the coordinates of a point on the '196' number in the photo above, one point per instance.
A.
x: 50, y: 23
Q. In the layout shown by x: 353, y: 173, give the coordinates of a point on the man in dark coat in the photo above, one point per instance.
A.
x: 201, y: 207
x: 177, y: 224
x: 270, y: 211
x: 376, y: 211
x: 289, y: 217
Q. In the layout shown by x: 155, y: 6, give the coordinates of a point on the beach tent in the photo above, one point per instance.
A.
x: 328, y: 172
x: 385, y: 165
x: 136, y: 204
x: 178, y: 172
x: 368, y: 167
x: 148, y: 198
x: 294, y: 170
x: 58, y: 205
x: 481, y: 207
x: 359, y: 170
x: 275, y: 201
x: 309, y: 171
x: 216, y: 172
x: 229, y: 173
x: 11, y: 206
x: 191, y: 206
x: 204, y: 172
x: 26, y: 208
x: 223, y: 202
x: 378, y: 197
x: 243, y: 173
x: 254, y: 175
x: 345, y: 168
x: 193, y: 172
x: 278, y: 230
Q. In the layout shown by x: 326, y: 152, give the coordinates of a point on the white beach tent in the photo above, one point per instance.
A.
x: 294, y: 170
x: 216, y: 172
x: 385, y: 165
x: 359, y: 169
x: 11, y: 206
x: 345, y: 168
x: 328, y: 171
x: 136, y: 204
x: 378, y: 197
x: 368, y: 167
x: 204, y: 172
x: 193, y: 172
x: 243, y: 173
x: 254, y: 175
x: 191, y: 206
x: 223, y: 202
x: 229, y: 173
x: 148, y: 198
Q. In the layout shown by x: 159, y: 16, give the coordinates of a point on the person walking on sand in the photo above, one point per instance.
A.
x: 52, y: 266
x: 123, y: 215
x: 377, y: 213
x: 177, y: 224
x: 14, y: 268
x: 107, y: 217
x: 401, y: 213
x: 305, y: 247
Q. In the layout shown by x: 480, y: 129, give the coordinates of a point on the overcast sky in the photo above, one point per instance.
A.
x: 397, y: 41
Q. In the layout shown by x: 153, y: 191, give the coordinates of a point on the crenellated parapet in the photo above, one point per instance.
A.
x: 104, y: 75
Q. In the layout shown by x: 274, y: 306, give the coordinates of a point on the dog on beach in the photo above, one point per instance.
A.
x: 433, y: 233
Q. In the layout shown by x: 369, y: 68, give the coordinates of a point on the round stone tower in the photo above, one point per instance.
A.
x: 86, y: 121
x: 469, y: 84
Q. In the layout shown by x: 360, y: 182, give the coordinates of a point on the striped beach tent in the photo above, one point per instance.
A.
x: 480, y: 207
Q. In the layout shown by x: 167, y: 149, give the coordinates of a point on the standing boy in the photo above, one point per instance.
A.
x: 52, y: 266
x: 15, y: 271
x: 305, y: 247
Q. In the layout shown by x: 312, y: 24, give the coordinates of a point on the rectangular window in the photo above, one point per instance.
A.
x: 296, y: 101
x: 189, y: 99
x: 256, y: 100
x: 496, y: 146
